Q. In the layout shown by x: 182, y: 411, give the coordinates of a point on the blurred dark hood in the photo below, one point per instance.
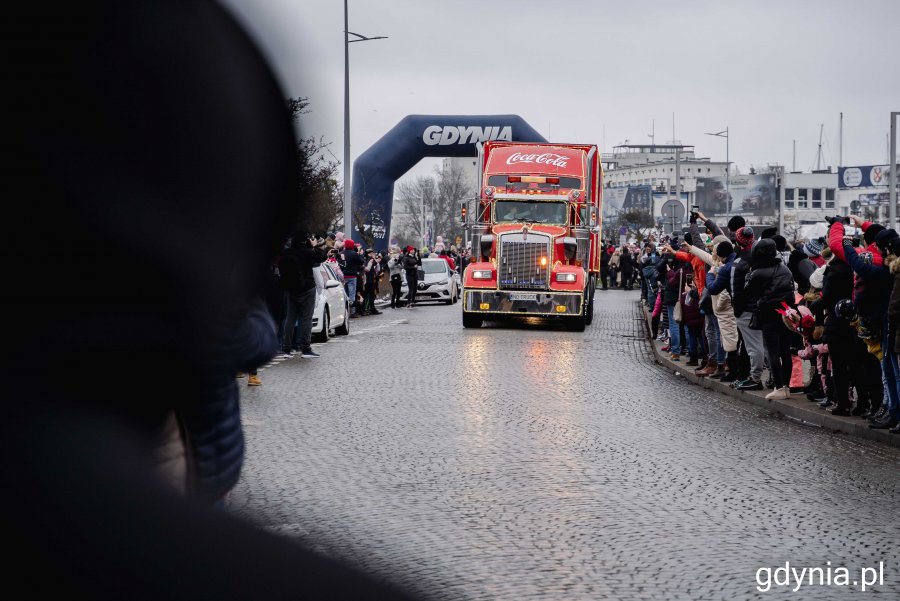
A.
x: 764, y: 254
x: 154, y: 140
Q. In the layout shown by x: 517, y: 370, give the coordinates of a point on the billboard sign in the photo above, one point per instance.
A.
x: 879, y: 198
x: 628, y: 198
x: 751, y: 196
x: 868, y: 176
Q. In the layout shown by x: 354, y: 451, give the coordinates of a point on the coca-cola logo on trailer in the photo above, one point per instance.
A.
x: 548, y: 158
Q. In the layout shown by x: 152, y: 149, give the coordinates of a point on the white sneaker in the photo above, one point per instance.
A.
x: 779, y: 394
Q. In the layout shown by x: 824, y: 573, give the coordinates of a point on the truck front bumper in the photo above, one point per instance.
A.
x: 539, y: 303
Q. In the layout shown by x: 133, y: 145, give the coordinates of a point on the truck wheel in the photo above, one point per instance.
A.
x: 472, y: 321
x: 575, y: 324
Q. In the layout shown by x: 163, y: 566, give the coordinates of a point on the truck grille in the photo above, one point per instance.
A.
x: 519, y: 262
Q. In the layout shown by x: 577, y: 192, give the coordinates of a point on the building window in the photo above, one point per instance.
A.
x: 788, y: 205
x: 817, y: 204
x: 829, y: 195
x: 789, y: 194
x: 817, y: 194
x: 829, y: 204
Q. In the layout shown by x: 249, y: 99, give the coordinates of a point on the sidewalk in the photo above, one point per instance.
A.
x: 797, y: 408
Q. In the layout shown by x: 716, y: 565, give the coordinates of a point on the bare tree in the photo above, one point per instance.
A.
x: 320, y: 193
x: 440, y: 197
x: 415, y: 196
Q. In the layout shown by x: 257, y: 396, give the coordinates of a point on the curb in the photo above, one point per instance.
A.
x: 797, y: 408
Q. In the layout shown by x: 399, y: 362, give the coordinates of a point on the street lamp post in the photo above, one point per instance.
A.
x: 348, y: 213
x: 724, y: 134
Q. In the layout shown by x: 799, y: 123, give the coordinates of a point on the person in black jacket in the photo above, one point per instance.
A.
x: 411, y: 263
x: 351, y: 265
x: 604, y: 266
x: 770, y: 282
x: 299, y: 285
x: 744, y: 303
x: 843, y: 344
x: 626, y: 267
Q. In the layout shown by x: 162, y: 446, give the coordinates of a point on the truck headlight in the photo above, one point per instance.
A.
x: 565, y: 277
x: 482, y: 274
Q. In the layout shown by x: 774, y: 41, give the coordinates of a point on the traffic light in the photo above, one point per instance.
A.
x: 463, y: 212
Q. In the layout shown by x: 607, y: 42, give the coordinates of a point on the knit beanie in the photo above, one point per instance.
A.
x: 744, y: 237
x: 769, y: 232
x: 349, y: 245
x: 817, y: 279
x: 884, y: 239
x: 812, y: 248
x: 871, y: 232
x: 724, y: 248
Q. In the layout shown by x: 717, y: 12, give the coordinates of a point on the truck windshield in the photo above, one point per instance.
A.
x: 520, y: 211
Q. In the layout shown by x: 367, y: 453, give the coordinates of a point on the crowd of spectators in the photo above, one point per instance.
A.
x: 819, y: 317
x: 370, y: 278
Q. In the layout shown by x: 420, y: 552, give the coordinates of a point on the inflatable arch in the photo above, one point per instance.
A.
x: 414, y: 138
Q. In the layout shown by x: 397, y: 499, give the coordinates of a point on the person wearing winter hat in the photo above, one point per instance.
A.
x: 720, y: 290
x: 884, y: 239
x: 872, y: 291
x: 351, y: 264
x: 813, y: 250
x: 744, y: 304
x: 744, y: 237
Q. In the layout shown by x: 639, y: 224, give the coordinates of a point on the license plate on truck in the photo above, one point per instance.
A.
x: 522, y: 296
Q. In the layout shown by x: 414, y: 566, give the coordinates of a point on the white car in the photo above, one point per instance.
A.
x: 332, y: 310
x: 437, y: 282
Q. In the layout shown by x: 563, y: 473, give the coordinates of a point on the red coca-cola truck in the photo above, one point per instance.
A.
x: 535, y: 234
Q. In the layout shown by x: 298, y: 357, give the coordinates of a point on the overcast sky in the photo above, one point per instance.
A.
x: 594, y: 71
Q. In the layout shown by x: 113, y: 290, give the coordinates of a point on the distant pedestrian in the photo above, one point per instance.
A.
x: 299, y: 284
x: 395, y: 269
x: 411, y: 264
x: 351, y: 264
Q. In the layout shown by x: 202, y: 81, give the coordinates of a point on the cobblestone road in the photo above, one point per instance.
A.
x: 518, y: 462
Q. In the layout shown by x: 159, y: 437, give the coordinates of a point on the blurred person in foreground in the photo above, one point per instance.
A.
x: 155, y: 198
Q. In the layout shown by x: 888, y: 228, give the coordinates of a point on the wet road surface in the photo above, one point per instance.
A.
x: 527, y: 462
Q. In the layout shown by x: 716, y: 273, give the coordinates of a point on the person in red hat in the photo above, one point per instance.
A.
x: 351, y: 264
